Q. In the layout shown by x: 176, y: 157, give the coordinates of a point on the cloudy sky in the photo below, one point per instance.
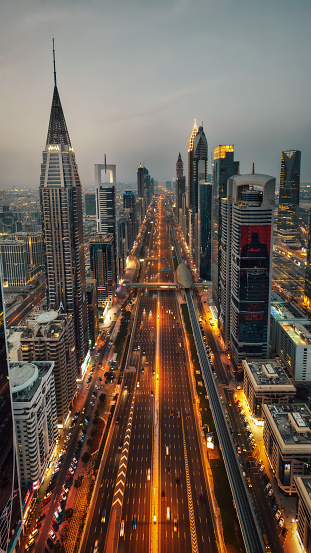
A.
x: 133, y: 74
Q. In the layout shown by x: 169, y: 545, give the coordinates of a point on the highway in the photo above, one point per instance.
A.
x: 250, y: 528
x: 153, y: 471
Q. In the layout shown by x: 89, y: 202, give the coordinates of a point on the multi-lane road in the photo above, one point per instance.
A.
x: 153, y: 487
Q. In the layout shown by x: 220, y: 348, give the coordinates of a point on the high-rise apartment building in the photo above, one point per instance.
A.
x: 197, y: 173
x: 34, y: 406
x: 51, y: 336
x: 92, y: 309
x: 246, y: 265
x: 288, y: 215
x: 180, y: 188
x: 10, y: 496
x: 145, y: 186
x: 33, y: 245
x: 125, y: 238
x: 224, y: 167
x: 129, y: 207
x: 102, y: 267
x: 61, y: 208
x: 205, y: 224
x: 141, y: 182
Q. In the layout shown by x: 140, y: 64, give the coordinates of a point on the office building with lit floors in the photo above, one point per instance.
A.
x: 61, y: 208
x: 34, y: 406
x: 288, y: 214
x: 205, y: 225
x: 246, y: 266
x: 287, y: 440
x: 10, y: 495
x: 102, y: 267
x: 307, y: 290
x: 180, y: 188
x: 303, y: 486
x: 50, y: 336
x: 223, y: 167
x: 106, y: 205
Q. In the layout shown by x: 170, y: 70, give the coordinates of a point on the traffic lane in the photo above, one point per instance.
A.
x: 107, y: 484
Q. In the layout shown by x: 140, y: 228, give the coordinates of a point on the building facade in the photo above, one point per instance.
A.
x: 106, y: 207
x: 91, y: 294
x: 307, y: 291
x: 13, y: 255
x: 223, y: 168
x: 303, y: 486
x: 287, y: 440
x: 288, y: 215
x: 10, y: 497
x: 246, y: 266
x: 180, y: 188
x: 61, y: 209
x: 294, y: 348
x: 34, y: 406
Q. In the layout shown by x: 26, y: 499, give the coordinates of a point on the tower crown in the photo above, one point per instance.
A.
x: 57, y: 132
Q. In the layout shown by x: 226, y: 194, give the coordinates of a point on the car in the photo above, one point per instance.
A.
x: 47, y: 495
x: 268, y: 486
x: 63, y: 496
x: 248, y: 465
x: 71, y: 470
x: 281, y: 522
x: 270, y: 492
x: 243, y: 447
x: 34, y: 533
x: 38, y: 524
x: 166, y: 450
x: 239, y: 450
x: 137, y: 385
x: 178, y: 414
x: 50, y: 543
x: 55, y: 525
x: 40, y: 517
x: 148, y: 474
x: 284, y: 532
x: 175, y: 525
x: 163, y: 495
x: 65, y: 488
x: 171, y: 413
x: 104, y: 515
x: 169, y: 470
x: 45, y: 501
x: 134, y: 522
x: 122, y: 529
x: 277, y: 515
x: 30, y: 544
x: 117, y: 420
x: 120, y: 445
x: 51, y: 533
x: 168, y: 513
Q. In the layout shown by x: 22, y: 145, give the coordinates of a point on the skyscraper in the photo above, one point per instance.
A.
x: 205, y: 225
x: 307, y: 291
x: 61, y: 209
x: 145, y: 186
x: 224, y: 167
x: 102, y: 267
x: 288, y: 215
x: 197, y: 158
x: 246, y: 262
x: 10, y: 499
x: 106, y: 205
x: 180, y: 188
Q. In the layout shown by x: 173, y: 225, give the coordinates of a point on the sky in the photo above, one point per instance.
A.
x: 134, y: 74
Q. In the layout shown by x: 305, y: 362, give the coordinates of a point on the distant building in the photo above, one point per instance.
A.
x: 307, y: 291
x: 180, y: 188
x: 92, y: 309
x: 287, y: 439
x: 50, y: 336
x: 205, y: 226
x: 288, y: 216
x: 106, y: 206
x: 10, y: 497
x: 34, y: 405
x: 265, y: 381
x: 303, y: 487
x: 224, y: 167
x: 125, y: 238
x: 13, y: 254
x: 102, y: 267
x: 145, y: 187
x: 90, y: 203
x: 246, y: 266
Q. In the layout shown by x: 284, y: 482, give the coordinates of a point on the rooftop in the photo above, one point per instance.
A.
x: 303, y: 484
x: 269, y: 373
x: 293, y: 422
x: 26, y: 378
x: 286, y: 311
x: 299, y: 332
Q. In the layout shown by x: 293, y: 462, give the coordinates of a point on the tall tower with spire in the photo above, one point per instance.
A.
x: 61, y: 212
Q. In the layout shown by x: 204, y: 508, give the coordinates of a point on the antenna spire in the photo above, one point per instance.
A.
x: 54, y: 64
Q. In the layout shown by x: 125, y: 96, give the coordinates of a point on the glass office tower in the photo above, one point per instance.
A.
x: 224, y: 167
x: 288, y: 215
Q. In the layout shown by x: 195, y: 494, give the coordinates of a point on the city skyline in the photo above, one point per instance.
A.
x: 255, y: 98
